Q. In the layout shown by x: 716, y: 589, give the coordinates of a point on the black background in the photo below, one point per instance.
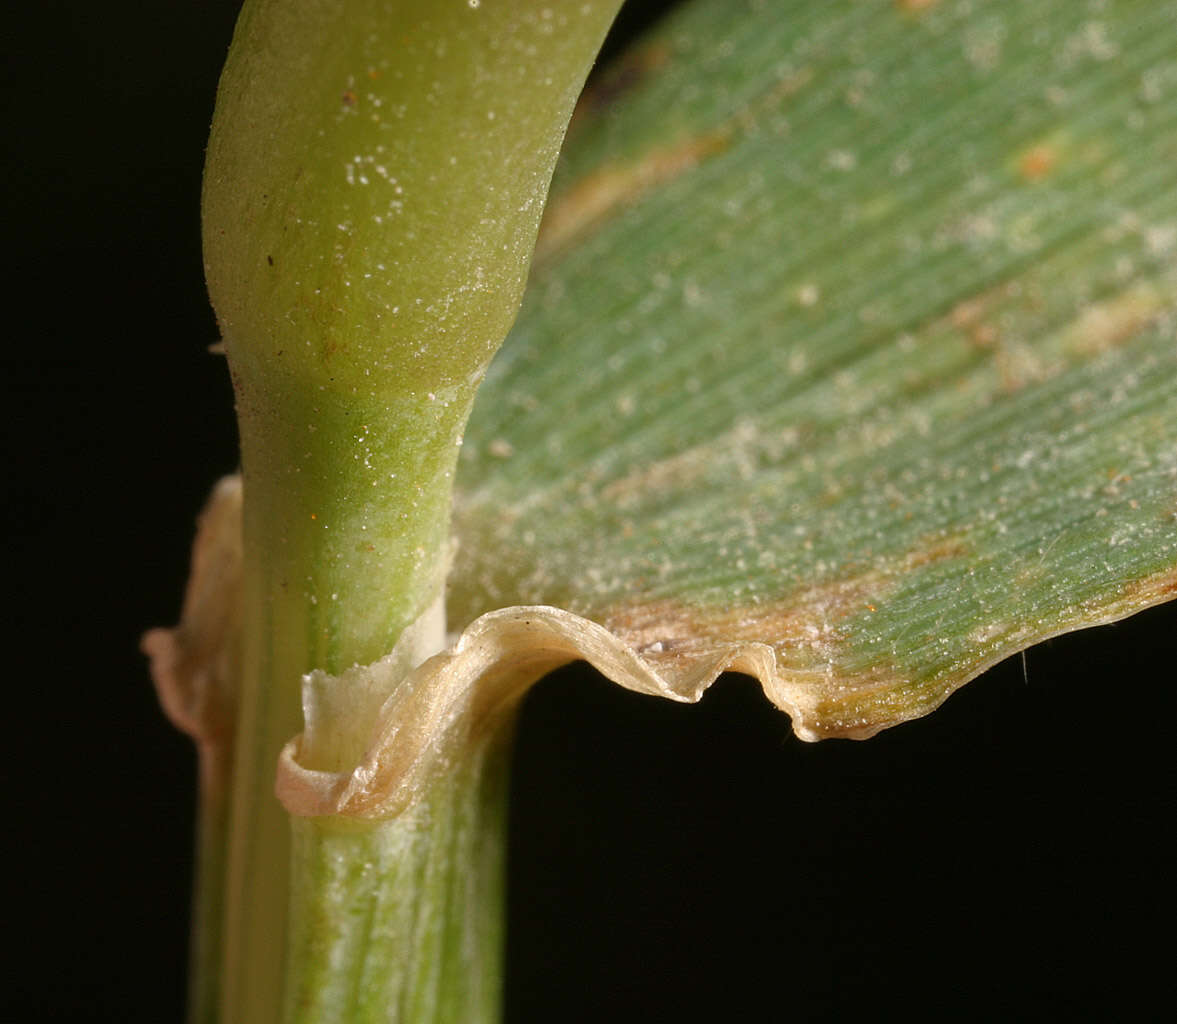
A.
x: 1009, y: 856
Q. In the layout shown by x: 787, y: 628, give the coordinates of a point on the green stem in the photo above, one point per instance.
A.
x: 401, y: 920
x: 334, y: 571
x: 375, y: 177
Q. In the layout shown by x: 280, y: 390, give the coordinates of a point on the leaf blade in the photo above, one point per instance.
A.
x: 932, y: 371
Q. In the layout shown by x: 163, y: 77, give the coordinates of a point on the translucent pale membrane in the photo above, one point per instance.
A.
x: 378, y: 736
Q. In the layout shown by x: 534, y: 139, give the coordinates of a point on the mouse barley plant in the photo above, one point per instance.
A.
x: 848, y: 359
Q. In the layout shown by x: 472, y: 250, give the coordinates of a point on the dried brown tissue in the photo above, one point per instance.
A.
x: 453, y: 699
x: 1156, y: 588
x: 806, y: 625
x: 195, y: 665
x: 448, y: 703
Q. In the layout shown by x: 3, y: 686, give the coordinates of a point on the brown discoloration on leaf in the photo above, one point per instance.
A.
x: 1115, y: 321
x: 1137, y: 595
x: 1017, y: 368
x: 915, y: 6
x: 611, y: 187
x: 805, y: 640
x: 810, y: 632
x: 970, y: 316
x: 974, y: 318
x: 615, y: 186
x: 454, y: 700
x: 743, y: 444
x: 676, y: 472
x: 802, y: 628
x: 932, y: 551
x: 1097, y: 328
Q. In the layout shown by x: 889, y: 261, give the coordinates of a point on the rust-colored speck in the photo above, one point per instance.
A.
x: 1037, y: 163
x: 349, y: 98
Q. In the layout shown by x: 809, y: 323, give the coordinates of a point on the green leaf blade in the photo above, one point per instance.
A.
x: 869, y: 357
